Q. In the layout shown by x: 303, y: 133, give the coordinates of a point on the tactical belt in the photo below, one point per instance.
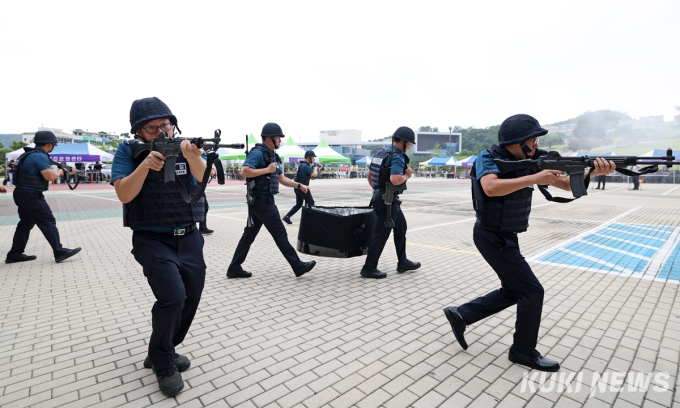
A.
x: 180, y: 231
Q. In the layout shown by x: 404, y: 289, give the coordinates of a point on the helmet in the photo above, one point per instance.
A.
x: 145, y: 110
x: 310, y: 153
x: 44, y: 136
x: 519, y: 129
x: 405, y: 133
x: 271, y: 130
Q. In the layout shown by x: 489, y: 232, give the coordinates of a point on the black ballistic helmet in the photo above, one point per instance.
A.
x: 519, y: 129
x: 44, y: 136
x: 405, y: 133
x: 272, y: 129
x: 145, y: 110
x: 310, y: 153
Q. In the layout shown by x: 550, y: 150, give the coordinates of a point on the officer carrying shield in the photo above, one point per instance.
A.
x: 263, y: 169
x: 164, y: 237
x: 503, y: 204
x: 389, y: 165
x: 32, y: 176
x: 304, y: 174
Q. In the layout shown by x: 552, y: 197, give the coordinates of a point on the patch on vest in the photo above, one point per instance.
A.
x: 377, y: 160
x: 180, y: 169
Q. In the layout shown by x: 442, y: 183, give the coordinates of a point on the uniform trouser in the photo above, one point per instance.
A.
x: 636, y: 181
x: 381, y: 233
x: 175, y: 270
x: 264, y: 211
x: 602, y: 179
x: 34, y: 210
x: 519, y: 286
x: 203, y: 225
x: 300, y: 197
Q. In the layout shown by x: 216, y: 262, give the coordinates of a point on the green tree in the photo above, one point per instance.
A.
x: 2, y: 146
x: 428, y: 129
x: 551, y: 139
x: 124, y: 135
x: 18, y: 145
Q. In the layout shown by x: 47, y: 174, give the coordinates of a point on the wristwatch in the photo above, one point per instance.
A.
x: 298, y: 186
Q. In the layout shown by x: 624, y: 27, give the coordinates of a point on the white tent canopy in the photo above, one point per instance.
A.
x: 85, y: 151
x: 290, y: 150
x: 327, y: 155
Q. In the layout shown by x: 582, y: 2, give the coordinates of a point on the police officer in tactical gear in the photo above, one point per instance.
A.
x: 263, y: 166
x: 32, y: 176
x: 304, y: 174
x: 164, y: 237
x: 503, y: 204
x: 389, y: 165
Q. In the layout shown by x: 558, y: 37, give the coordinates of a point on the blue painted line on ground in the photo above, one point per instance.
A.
x: 621, y: 245
x: 562, y: 257
x: 655, y: 241
x: 616, y: 246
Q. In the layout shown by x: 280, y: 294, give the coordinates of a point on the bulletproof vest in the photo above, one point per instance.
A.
x: 160, y: 204
x: 509, y: 213
x: 302, y: 178
x: 22, y: 178
x: 267, y: 183
x: 381, y: 167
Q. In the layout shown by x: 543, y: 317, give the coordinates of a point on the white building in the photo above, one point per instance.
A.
x: 341, y: 136
x: 78, y: 136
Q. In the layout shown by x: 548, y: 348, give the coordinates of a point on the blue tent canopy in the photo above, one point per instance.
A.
x: 364, y: 160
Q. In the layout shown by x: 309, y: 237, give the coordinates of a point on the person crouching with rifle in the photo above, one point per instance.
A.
x: 164, y: 236
x: 503, y: 205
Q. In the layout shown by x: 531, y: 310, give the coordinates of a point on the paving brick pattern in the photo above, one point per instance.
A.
x: 75, y: 334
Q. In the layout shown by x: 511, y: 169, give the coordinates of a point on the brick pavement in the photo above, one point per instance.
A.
x: 74, y: 334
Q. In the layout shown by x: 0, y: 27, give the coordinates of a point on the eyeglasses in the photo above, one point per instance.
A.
x: 533, y: 142
x: 164, y: 127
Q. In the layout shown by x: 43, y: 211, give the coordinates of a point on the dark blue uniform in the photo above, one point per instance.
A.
x: 303, y: 176
x: 381, y: 233
x: 501, y: 250
x: 31, y: 204
x: 170, y: 251
x: 219, y: 171
x: 264, y: 212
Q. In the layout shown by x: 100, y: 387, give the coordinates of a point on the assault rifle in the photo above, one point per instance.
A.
x: 575, y: 167
x: 391, y: 190
x: 67, y: 172
x: 389, y: 198
x: 169, y: 147
x: 250, y: 185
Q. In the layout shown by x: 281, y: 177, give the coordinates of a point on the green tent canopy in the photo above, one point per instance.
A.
x: 327, y: 155
x: 237, y: 154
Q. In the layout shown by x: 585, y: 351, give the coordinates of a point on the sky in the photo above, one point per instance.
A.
x: 317, y: 65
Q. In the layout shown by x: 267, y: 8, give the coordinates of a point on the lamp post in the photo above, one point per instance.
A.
x: 449, y: 147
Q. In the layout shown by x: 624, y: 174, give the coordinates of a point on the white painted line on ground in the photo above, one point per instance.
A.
x: 669, y: 191
x: 535, y: 257
x: 441, y: 225
x: 600, y: 261
x: 100, y: 198
x: 608, y: 191
x: 562, y: 219
x: 626, y: 241
x: 661, y: 257
x: 646, y: 258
